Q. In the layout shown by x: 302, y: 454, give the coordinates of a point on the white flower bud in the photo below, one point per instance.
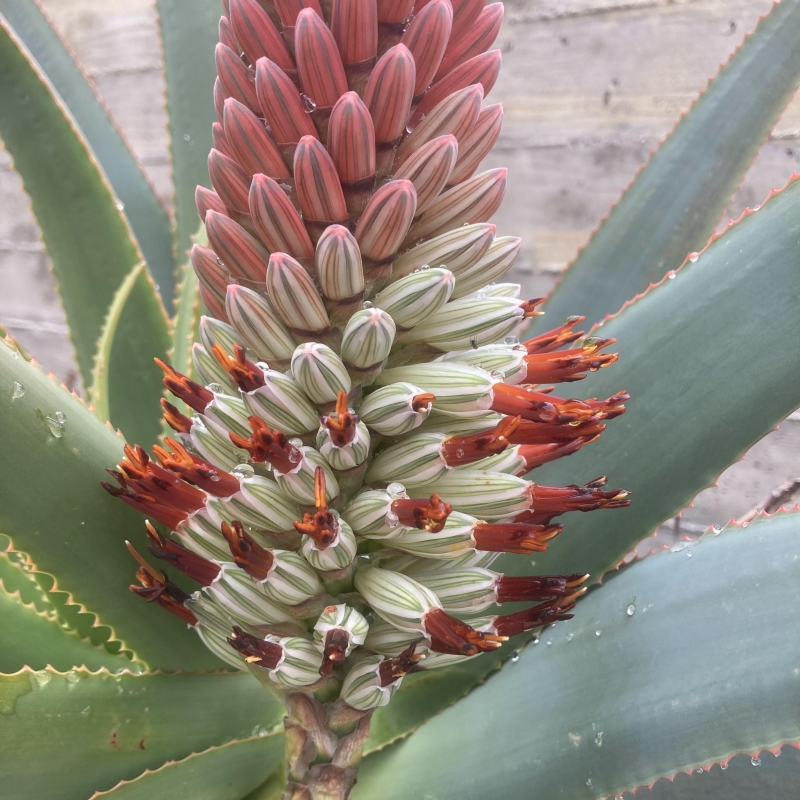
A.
x: 299, y: 665
x: 339, y: 553
x: 451, y: 542
x: 342, y: 617
x: 320, y: 372
x: 437, y: 660
x: 462, y: 591
x: 505, y: 360
x: 291, y: 579
x: 200, y: 532
x: 487, y: 495
x: 362, y: 685
x: 457, y: 387
x: 209, y: 370
x: 227, y: 413
x: 461, y: 425
x: 294, y: 297
x: 281, y: 403
x: 499, y: 290
x: 509, y: 461
x: 493, y: 264
x: 258, y: 326
x: 395, y: 409
x: 387, y: 640
x: 212, y: 444
x: 396, y: 598
x: 214, y: 628
x: 214, y: 331
x: 367, y: 514
x: 367, y: 338
x: 416, y: 461
x: 263, y: 504
x: 299, y: 484
x: 349, y: 456
x: 416, y: 297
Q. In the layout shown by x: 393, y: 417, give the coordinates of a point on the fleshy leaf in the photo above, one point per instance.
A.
x: 673, y: 205
x: 227, y: 772
x: 144, y: 210
x: 678, y: 661
x: 55, y: 510
x: 127, y: 382
x: 87, y: 237
x: 69, y: 735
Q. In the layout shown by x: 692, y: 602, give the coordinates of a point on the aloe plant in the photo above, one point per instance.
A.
x: 344, y: 503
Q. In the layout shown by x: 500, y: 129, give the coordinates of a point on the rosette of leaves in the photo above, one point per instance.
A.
x: 364, y: 174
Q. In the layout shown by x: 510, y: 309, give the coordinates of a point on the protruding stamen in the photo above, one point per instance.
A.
x: 539, y: 433
x: 541, y: 406
x: 569, y: 365
x: 392, y: 669
x: 337, y: 640
x: 147, y: 504
x: 194, y: 566
x: 247, y: 553
x: 269, y: 446
x: 514, y: 537
x: 322, y: 526
x: 550, y: 501
x: 510, y: 589
x: 450, y: 635
x: 458, y: 450
x: 193, y: 394
x: 556, y: 338
x: 537, y: 454
x: 195, y: 470
x: 159, y: 589
x: 544, y: 614
x: 426, y: 515
x: 174, y: 418
x: 422, y: 401
x: 256, y: 651
x: 246, y: 374
x: 342, y: 424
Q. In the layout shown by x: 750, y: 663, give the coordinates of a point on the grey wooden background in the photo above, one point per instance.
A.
x: 589, y: 88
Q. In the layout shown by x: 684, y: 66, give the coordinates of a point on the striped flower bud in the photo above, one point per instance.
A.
x: 296, y: 664
x: 226, y: 35
x: 494, y: 263
x: 346, y: 456
x: 278, y: 224
x: 282, y: 105
x: 478, y: 39
x: 235, y: 77
x: 250, y: 142
x: 258, y: 327
x: 429, y: 168
x: 300, y: 483
x: 215, y: 332
x: 260, y: 502
x: 416, y: 461
x: 229, y: 180
x: 477, y: 144
x: 320, y: 373
x: 387, y: 640
x: 207, y: 200
x: 417, y: 297
x: 213, y: 628
x: 209, y: 442
x: 295, y: 298
x: 367, y: 513
x: 219, y: 98
x: 484, y: 494
x: 227, y: 413
x: 426, y: 37
x: 210, y: 271
x: 385, y: 222
x: 354, y: 24
x: 338, y: 555
x: 465, y: 12
x: 396, y: 409
x: 218, y: 139
x: 243, y: 255
x: 457, y: 387
x: 288, y: 10
x: 338, y: 630
x: 281, y: 402
x: 372, y: 682
x: 291, y: 579
x: 457, y: 250
x: 392, y: 12
x: 257, y: 35
x: 367, y: 339
x: 474, y: 200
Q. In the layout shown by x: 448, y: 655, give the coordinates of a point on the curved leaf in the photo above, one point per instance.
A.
x: 189, y: 35
x: 144, y: 210
x: 185, y: 322
x: 228, y: 772
x: 65, y: 736
x: 126, y: 383
x: 37, y: 640
x: 54, y: 510
x: 16, y: 577
x: 89, y: 241
x: 673, y: 205
x: 701, y: 669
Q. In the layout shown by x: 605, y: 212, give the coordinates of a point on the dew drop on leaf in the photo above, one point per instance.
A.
x: 631, y: 609
x: 723, y: 766
x: 671, y: 274
x: 43, y: 677
x: 693, y: 257
x: 678, y: 547
x: 18, y: 391
x: 598, y: 632
x: 570, y: 637
x: 515, y: 656
x: 56, y: 424
x: 243, y: 471
x: 598, y: 739
x: 549, y: 642
x: 756, y: 762
x: 86, y: 711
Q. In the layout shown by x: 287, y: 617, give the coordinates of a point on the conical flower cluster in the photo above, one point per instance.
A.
x: 353, y: 456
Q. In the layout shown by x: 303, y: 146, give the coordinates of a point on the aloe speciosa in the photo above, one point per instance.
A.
x: 356, y: 402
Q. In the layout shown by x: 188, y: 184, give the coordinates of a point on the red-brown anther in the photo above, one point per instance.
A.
x: 243, y: 371
x: 537, y: 454
x: 610, y: 408
x: 337, y: 640
x: 426, y: 515
x: 391, y: 670
x: 547, y: 433
x: 322, y: 525
x: 555, y: 500
x: 529, y: 307
x: 509, y: 589
x: 175, y: 419
x: 146, y: 504
x: 195, y: 396
x: 421, y: 402
x: 513, y: 537
x: 196, y: 470
x: 544, y: 614
x: 458, y: 450
x: 569, y: 365
x: 247, y: 553
x: 159, y: 589
x: 194, y: 566
x: 451, y: 635
x: 556, y: 338
x: 342, y: 424
x: 256, y: 651
x: 270, y: 446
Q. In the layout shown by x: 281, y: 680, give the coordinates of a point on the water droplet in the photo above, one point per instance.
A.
x: 86, y: 711
x: 689, y: 553
x: 693, y: 257
x: 515, y: 656
x: 459, y: 453
x: 598, y: 739
x: 73, y: 677
x: 262, y: 365
x: 392, y: 520
x: 723, y: 766
x: 630, y: 610
x: 497, y: 374
x: 717, y: 530
x: 120, y: 205
x: 56, y: 424
x: 425, y: 267
x: 598, y: 632
x: 678, y: 547
x: 214, y: 387
x: 243, y: 471
x: 295, y: 442
x: 481, y: 295
x: 157, y: 287
x: 409, y: 129
x: 745, y: 524
x: 214, y: 476
x: 756, y: 208
x: 18, y: 391
x: 535, y: 641
x: 242, y: 458
x: 549, y: 642
x: 395, y: 490
x: 308, y: 104
x: 699, y: 770
x: 186, y: 137
x: 671, y: 274
x: 367, y: 304
x: 43, y: 677
x: 589, y: 782
x: 219, y: 262
x: 777, y: 753
x: 295, y: 456
x: 570, y: 637
x: 512, y: 340
x: 61, y: 417
x: 756, y: 762
x: 759, y: 511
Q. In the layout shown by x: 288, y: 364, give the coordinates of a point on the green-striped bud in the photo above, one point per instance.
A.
x: 338, y: 555
x: 387, y: 640
x: 227, y: 413
x: 258, y: 326
x: 209, y: 370
x: 362, y: 685
x: 320, y: 373
x: 213, y: 445
x: 299, y: 665
x: 282, y: 404
x: 473, y: 321
x: 299, y: 484
x: 214, y: 331
x: 499, y: 290
x: 368, y: 514
x: 291, y: 579
x: 461, y: 425
x: 416, y: 297
x: 415, y: 461
x: 452, y: 541
x: 367, y: 339
x: 458, y: 387
x: 295, y: 298
x: 345, y: 618
x: 339, y: 271
x: 508, y: 461
x: 262, y: 503
x: 396, y: 409
x: 213, y: 627
x: 396, y: 598
x: 200, y: 533
x: 461, y: 591
x: 493, y: 264
x: 488, y: 495
x: 437, y: 660
x: 349, y: 456
x: 505, y: 361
